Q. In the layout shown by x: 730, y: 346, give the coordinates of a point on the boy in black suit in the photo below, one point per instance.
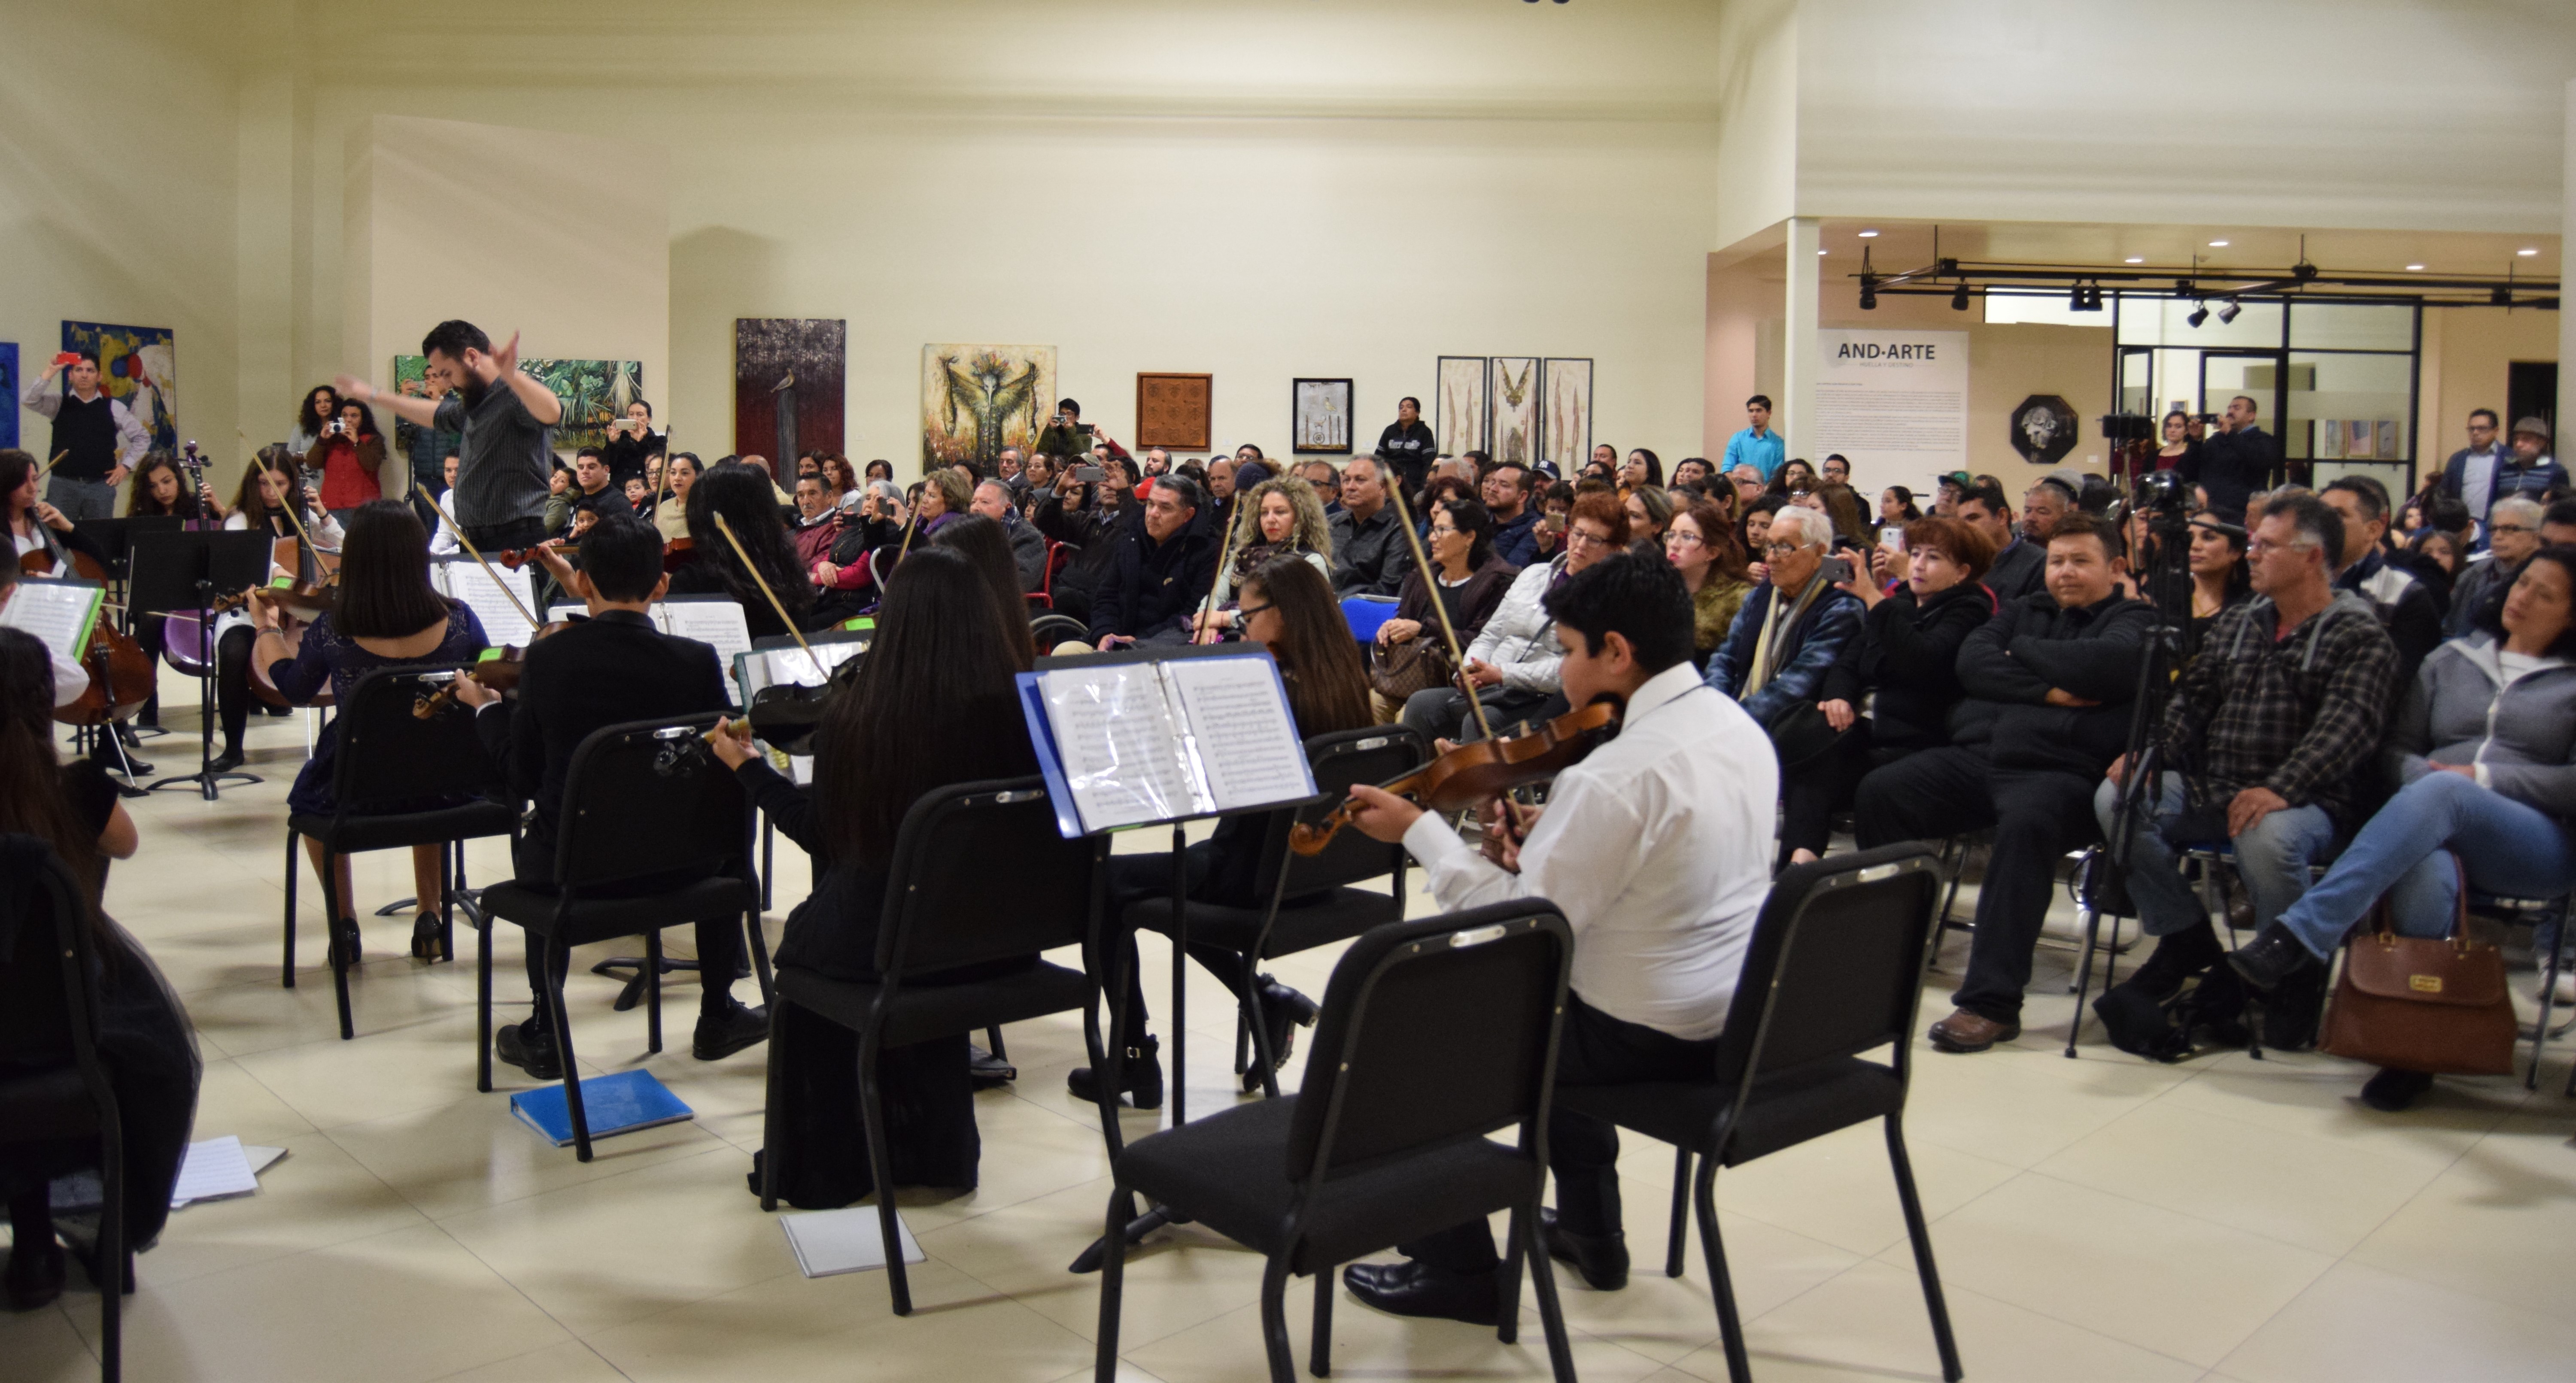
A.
x: 608, y: 669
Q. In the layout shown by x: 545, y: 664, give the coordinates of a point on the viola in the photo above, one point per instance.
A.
x: 120, y: 672
x: 1472, y: 774
x: 678, y: 553
x: 498, y: 669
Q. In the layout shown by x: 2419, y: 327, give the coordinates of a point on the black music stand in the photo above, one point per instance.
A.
x: 114, y: 538
x: 174, y: 572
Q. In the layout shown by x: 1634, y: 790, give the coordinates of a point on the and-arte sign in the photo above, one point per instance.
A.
x: 1894, y: 402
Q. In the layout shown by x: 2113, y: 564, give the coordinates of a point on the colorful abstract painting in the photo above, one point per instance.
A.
x: 138, y: 367
x: 593, y: 391
x: 9, y: 387
x: 976, y: 400
x: 787, y: 387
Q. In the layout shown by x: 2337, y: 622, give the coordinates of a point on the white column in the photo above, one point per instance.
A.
x: 2566, y: 275
x: 1796, y: 414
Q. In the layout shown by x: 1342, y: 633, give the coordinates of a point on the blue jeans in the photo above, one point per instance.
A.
x: 2406, y: 852
x: 2272, y: 857
x: 81, y: 499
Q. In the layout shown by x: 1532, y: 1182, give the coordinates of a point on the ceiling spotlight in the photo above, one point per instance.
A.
x: 2075, y: 297
x: 2228, y: 313
x: 1959, y: 299
x: 2500, y: 297
x: 2093, y: 297
x: 2414, y: 268
x: 2135, y: 259
x: 1868, y: 293
x: 2198, y: 315
x: 1824, y: 252
x: 1873, y: 235
x: 2218, y: 244
x: 2526, y: 253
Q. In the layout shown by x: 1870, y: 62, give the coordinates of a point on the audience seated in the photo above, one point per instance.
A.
x: 1792, y: 626
x: 2485, y: 747
x: 1512, y: 662
x: 1701, y: 545
x: 1280, y: 517
x: 1369, y: 556
x: 1163, y: 567
x: 1472, y: 577
x: 2404, y: 606
x: 1028, y: 545
x: 746, y: 497
x: 1510, y: 497
x: 2513, y: 534
x: 2272, y: 732
x: 1903, y: 665
x: 978, y: 538
x: 2048, y: 681
x: 1091, y: 517
x: 2021, y: 560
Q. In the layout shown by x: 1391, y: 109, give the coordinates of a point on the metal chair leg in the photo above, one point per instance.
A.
x: 1113, y: 1279
x: 653, y: 986
x: 1739, y: 1366
x: 773, y: 1137
x: 1319, y: 1349
x: 558, y: 958
x: 1551, y: 1311
x: 331, y: 927
x: 1680, y: 1235
x: 290, y: 908
x: 1921, y: 1234
x: 1507, y: 1275
x: 1274, y: 1320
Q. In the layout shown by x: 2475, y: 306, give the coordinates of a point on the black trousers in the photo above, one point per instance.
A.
x: 232, y: 683
x: 1812, y: 793
x: 1135, y: 878
x: 2037, y: 817
x: 1593, y: 1049
x: 719, y: 939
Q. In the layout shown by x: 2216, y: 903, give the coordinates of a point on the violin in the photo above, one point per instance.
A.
x: 678, y: 553
x: 498, y: 669
x: 1473, y: 773
x: 121, y: 678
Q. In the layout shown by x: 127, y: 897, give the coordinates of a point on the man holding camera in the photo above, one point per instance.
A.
x: 2268, y: 742
x: 1067, y: 437
x: 2232, y: 465
x: 96, y: 436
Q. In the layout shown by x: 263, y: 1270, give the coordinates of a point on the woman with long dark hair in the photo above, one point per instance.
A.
x: 387, y: 615
x: 349, y: 458
x: 1471, y: 579
x: 143, y: 1035
x: 311, y: 417
x: 1700, y: 543
x: 929, y: 704
x: 979, y: 540
x: 35, y: 525
x: 1642, y: 467
x: 669, y: 509
x: 160, y: 489
x: 745, y: 496
x: 1289, y: 610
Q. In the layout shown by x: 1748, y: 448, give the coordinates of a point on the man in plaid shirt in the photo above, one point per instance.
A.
x: 2265, y: 742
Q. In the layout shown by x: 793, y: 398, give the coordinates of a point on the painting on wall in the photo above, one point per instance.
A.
x: 1566, y: 414
x: 592, y: 391
x: 976, y: 400
x: 1320, y: 415
x: 787, y: 394
x: 138, y: 367
x: 1459, y: 422
x: 1513, y: 398
x: 9, y: 387
x: 2043, y: 429
x: 1175, y: 411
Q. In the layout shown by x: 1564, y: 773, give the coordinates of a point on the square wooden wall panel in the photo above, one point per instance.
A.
x: 1173, y: 411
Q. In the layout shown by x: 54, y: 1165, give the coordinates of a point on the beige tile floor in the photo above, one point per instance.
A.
x: 2095, y: 1219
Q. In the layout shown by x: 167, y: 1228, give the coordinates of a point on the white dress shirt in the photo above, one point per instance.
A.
x: 1657, y: 847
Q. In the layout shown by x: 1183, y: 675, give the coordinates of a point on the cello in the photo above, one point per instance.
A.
x: 120, y: 672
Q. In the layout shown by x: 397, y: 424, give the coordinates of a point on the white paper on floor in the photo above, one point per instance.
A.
x: 844, y: 1241
x: 220, y: 1168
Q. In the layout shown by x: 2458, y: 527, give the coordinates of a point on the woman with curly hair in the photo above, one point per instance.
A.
x: 1283, y: 517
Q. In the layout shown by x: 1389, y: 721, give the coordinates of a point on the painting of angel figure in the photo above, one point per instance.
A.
x: 1513, y: 396
x: 137, y: 367
x: 976, y: 400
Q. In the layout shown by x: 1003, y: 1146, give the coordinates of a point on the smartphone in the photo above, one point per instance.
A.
x: 1090, y: 475
x: 1892, y: 537
x: 1835, y: 571
x: 67, y: 358
x: 1085, y: 429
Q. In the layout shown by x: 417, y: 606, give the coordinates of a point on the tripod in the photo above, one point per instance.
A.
x: 179, y: 573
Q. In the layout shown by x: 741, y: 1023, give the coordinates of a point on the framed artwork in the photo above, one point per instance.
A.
x: 1321, y: 415
x: 593, y: 391
x: 137, y: 367
x: 1512, y: 397
x: 976, y: 400
x: 1174, y: 411
x: 1565, y: 416
x: 787, y: 394
x: 9, y: 387
x: 1459, y: 420
x: 2043, y: 429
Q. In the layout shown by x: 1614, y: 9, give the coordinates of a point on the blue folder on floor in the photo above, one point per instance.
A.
x: 615, y: 1104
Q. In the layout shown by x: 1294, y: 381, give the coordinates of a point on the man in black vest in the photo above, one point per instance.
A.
x: 98, y: 440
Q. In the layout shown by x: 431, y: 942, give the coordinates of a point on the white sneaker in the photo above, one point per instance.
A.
x: 2565, y: 996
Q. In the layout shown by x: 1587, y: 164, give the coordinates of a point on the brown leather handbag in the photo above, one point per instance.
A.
x: 2435, y: 1004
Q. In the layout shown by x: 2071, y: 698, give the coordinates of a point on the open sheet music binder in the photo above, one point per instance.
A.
x: 1139, y: 738
x: 779, y: 660
x: 62, y: 613
x: 714, y: 620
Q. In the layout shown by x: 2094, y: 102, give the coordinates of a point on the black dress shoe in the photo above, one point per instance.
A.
x: 35, y: 1275
x: 728, y: 1030
x: 1283, y: 1011
x: 2270, y: 958
x: 530, y: 1046
x: 1419, y: 1289
x: 1141, y: 1074
x: 2392, y: 1090
x: 1601, y: 1258
x: 226, y: 761
x: 988, y: 1071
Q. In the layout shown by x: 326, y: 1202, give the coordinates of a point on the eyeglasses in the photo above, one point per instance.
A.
x: 2511, y: 528
x: 1784, y: 549
x: 1578, y: 538
x: 1677, y: 538
x: 2260, y: 548
x: 1244, y: 613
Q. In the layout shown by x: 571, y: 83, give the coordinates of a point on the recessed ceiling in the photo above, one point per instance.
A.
x: 1901, y: 245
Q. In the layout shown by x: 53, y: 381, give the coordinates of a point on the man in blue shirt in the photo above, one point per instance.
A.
x: 1757, y: 445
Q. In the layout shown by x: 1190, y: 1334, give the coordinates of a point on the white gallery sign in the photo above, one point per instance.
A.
x: 1895, y: 402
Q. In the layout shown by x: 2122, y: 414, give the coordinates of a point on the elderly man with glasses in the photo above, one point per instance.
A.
x: 1791, y: 627
x: 2513, y: 534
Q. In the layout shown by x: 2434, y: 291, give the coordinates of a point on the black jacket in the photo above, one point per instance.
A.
x: 1411, y: 451
x: 1909, y: 655
x: 1095, y: 532
x: 2231, y: 466
x: 2020, y: 569
x: 2406, y: 607
x: 1155, y: 587
x: 606, y: 670
x: 2009, y: 664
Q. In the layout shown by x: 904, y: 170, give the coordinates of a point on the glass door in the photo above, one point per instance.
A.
x: 2257, y: 374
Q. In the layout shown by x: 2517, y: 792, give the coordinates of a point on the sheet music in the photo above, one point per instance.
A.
x: 1246, y: 739
x: 792, y: 667
x: 59, y: 612
x: 477, y: 591
x: 715, y: 621
x: 1119, y: 745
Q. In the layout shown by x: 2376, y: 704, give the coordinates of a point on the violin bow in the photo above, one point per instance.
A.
x: 53, y: 463
x: 774, y: 603
x: 1224, y: 561
x: 468, y: 544
x: 1430, y: 587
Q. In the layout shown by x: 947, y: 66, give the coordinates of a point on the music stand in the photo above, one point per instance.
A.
x: 173, y: 572
x: 114, y: 539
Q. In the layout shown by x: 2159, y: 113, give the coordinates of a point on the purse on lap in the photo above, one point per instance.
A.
x: 2436, y: 1004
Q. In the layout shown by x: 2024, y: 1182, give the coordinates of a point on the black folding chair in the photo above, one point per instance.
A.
x: 656, y: 832
x: 53, y: 1086
x: 390, y: 762
x: 1435, y: 1034
x: 1834, y: 969
x: 1312, y: 900
x: 980, y: 875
